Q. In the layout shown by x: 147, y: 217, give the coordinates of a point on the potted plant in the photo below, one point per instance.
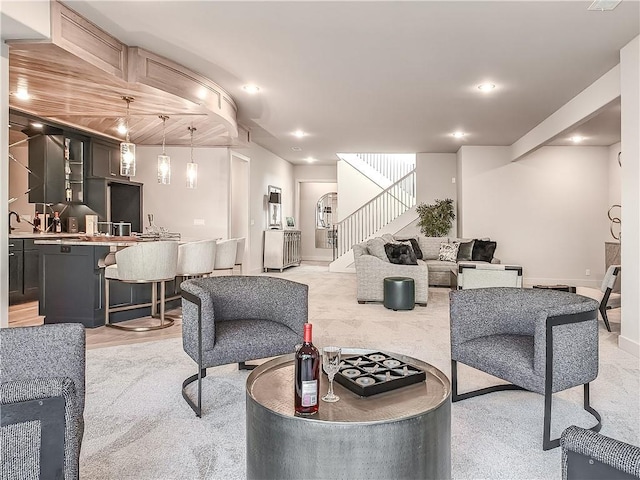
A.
x: 435, y: 219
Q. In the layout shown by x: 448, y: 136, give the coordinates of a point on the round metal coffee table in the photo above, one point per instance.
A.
x: 403, y: 433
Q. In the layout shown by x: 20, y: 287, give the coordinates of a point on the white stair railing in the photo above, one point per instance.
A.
x: 391, y: 166
x: 378, y: 212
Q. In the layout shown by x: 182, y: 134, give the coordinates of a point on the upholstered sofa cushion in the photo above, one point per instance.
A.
x: 430, y: 246
x: 376, y: 248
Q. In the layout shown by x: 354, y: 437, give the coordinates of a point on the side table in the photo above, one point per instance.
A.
x: 561, y: 288
x: 400, y: 434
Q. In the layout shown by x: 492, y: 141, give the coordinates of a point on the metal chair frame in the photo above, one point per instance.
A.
x: 547, y: 442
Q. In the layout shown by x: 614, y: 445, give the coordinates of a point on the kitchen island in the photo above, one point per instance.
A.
x: 72, y: 283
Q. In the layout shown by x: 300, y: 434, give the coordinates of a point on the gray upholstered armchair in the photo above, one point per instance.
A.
x: 544, y: 341
x: 590, y: 455
x: 235, y: 319
x: 42, y: 401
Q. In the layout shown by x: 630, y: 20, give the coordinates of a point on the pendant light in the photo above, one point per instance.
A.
x: 164, y: 161
x: 192, y: 167
x: 127, y: 149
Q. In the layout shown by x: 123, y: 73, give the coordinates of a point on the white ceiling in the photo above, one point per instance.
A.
x: 382, y: 76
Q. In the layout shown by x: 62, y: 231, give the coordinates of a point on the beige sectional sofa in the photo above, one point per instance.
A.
x: 372, y: 267
x: 439, y: 270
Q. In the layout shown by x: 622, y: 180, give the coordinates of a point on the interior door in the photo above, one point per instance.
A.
x: 239, y: 203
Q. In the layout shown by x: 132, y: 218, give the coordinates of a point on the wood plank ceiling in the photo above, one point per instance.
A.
x: 70, y: 90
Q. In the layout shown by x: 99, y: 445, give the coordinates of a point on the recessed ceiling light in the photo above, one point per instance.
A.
x: 251, y: 88
x: 458, y: 134
x: 22, y: 94
x: 296, y: 149
x: 310, y: 159
x: 299, y: 133
x: 36, y: 125
x: 486, y: 87
x: 576, y: 139
x: 122, y: 129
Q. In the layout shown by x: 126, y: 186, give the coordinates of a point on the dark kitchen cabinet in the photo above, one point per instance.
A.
x: 23, y: 271
x: 31, y: 267
x: 15, y: 270
x: 57, y: 165
x: 105, y: 160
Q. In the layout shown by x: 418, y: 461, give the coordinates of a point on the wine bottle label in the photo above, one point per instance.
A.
x: 309, y: 393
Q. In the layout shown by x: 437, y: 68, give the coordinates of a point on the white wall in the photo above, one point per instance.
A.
x: 310, y: 193
x: 354, y: 190
x: 266, y: 169
x: 615, y: 175
x: 174, y: 206
x: 629, y: 339
x: 547, y: 211
x: 434, y: 174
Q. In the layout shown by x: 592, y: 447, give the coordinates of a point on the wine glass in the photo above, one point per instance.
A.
x: 331, y: 364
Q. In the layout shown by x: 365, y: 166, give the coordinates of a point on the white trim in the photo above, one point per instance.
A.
x: 247, y: 256
x: 4, y: 184
x: 629, y: 346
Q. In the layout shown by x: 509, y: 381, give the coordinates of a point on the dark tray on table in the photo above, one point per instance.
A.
x: 377, y: 372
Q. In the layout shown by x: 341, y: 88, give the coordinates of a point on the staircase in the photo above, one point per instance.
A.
x: 388, y: 212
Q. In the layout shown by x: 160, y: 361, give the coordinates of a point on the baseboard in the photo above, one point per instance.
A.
x: 629, y: 346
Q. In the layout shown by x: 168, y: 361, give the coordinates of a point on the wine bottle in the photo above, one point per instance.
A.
x: 57, y: 223
x: 307, y: 381
x: 36, y: 223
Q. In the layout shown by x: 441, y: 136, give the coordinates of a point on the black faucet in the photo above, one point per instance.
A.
x: 17, y: 219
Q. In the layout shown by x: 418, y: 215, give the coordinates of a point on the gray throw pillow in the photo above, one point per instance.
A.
x: 376, y: 248
x: 465, y: 251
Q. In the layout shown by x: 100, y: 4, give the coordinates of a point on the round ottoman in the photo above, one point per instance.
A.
x: 399, y: 293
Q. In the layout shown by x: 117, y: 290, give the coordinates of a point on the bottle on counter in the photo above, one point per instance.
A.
x: 57, y: 223
x: 307, y: 380
x: 36, y: 223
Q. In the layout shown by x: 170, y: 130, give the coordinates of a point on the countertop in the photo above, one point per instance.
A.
x: 107, y: 242
x: 44, y: 236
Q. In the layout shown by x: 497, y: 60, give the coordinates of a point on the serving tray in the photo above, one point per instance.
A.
x: 376, y: 372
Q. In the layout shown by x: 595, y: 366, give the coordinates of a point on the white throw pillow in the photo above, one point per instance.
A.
x: 448, y: 252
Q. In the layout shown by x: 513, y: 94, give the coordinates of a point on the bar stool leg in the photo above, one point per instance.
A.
x: 106, y: 301
x: 162, y: 297
x: 154, y: 299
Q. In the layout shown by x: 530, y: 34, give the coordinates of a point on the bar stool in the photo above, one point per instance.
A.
x: 196, y: 259
x: 226, y: 254
x: 146, y: 262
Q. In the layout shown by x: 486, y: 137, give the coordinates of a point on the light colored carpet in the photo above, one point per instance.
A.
x: 138, y: 426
